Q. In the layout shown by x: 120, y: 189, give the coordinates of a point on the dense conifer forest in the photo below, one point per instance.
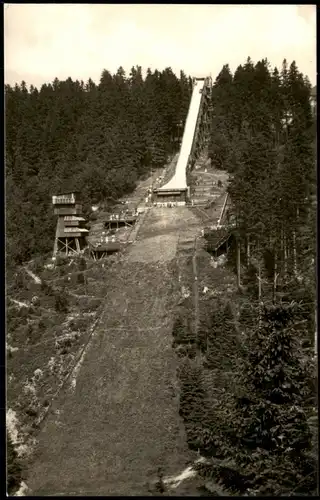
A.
x: 263, y: 133
x: 96, y: 138
x: 261, y: 436
x: 259, y: 432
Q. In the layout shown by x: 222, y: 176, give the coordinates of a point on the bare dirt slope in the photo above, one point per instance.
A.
x: 110, y: 433
x: 163, y: 229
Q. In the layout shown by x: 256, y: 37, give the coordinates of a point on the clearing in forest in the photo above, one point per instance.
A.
x: 117, y: 421
x: 110, y: 433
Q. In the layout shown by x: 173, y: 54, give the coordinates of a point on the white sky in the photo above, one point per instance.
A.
x: 60, y: 40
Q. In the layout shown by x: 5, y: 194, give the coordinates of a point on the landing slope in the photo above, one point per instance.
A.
x: 110, y: 433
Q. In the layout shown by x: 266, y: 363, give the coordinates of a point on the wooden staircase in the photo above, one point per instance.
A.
x: 215, y: 239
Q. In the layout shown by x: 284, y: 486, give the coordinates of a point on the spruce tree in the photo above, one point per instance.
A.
x: 273, y: 435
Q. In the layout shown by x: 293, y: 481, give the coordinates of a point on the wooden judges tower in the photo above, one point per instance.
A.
x: 70, y: 235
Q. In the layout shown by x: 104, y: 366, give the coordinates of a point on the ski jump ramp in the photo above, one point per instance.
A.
x: 179, y: 180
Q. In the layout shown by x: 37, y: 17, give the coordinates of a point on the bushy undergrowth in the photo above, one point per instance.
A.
x: 43, y: 338
x: 61, y: 301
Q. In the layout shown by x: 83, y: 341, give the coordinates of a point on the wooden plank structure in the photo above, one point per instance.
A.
x: 177, y: 196
x: 226, y: 205
x: 219, y: 241
x: 201, y: 134
x: 70, y: 233
x: 103, y: 249
x: 115, y: 221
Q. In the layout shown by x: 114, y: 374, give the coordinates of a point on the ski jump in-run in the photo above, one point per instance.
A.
x: 194, y: 139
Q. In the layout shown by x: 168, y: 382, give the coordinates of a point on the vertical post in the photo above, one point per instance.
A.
x: 77, y: 245
x: 259, y: 280
x: 281, y: 250
x: 195, y: 291
x: 275, y: 276
x: 55, y: 247
x: 285, y: 256
x: 238, y: 261
x: 315, y: 332
x: 295, y: 271
x: 67, y: 247
x: 248, y: 250
x: 260, y: 294
x: 56, y: 244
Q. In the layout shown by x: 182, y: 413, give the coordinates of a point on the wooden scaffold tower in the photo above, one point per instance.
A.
x: 202, y: 134
x: 70, y: 234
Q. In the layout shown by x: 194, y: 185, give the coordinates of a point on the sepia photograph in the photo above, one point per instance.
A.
x: 160, y: 173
